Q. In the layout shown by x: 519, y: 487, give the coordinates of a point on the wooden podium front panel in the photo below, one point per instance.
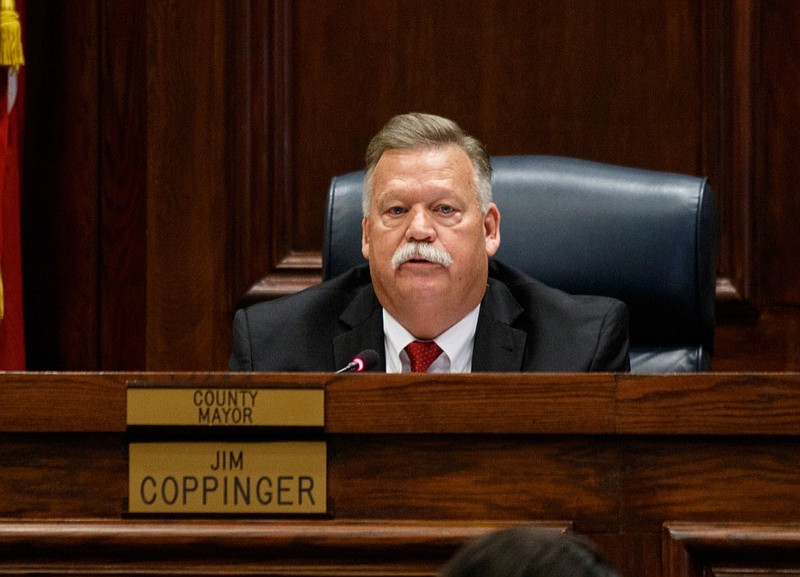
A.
x: 703, y: 479
x: 278, y: 549
x: 369, y: 477
x: 731, y: 550
x: 477, y: 477
x: 52, y: 475
x: 613, y: 456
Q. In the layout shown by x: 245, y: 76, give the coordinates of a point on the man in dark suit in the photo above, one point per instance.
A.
x: 432, y: 298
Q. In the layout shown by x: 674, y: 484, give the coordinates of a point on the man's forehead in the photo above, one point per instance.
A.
x: 445, y: 152
x: 400, y: 168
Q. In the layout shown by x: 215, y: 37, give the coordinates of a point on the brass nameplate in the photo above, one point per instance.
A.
x: 227, y: 407
x: 257, y: 478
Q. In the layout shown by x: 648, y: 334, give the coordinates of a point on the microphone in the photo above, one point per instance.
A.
x: 363, y: 361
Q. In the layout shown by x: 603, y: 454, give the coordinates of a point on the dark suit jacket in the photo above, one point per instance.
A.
x: 523, y: 326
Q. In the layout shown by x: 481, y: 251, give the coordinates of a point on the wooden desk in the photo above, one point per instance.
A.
x: 648, y: 466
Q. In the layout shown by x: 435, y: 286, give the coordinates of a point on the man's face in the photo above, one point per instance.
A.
x: 428, y: 196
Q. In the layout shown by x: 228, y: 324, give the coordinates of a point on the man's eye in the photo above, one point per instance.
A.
x: 446, y: 209
x: 395, y: 210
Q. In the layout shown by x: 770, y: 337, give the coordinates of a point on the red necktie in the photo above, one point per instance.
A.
x: 422, y: 354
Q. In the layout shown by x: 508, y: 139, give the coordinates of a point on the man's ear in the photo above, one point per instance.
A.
x: 365, y: 237
x: 491, y: 229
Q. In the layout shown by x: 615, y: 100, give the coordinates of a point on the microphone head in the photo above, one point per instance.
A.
x: 367, y: 360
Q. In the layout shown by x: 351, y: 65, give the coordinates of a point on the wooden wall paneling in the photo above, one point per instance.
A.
x: 187, y: 305
x: 122, y: 238
x: 763, y: 119
x: 278, y: 264
x: 779, y: 114
x: 290, y: 218
x: 729, y: 154
x: 249, y: 149
x: 530, y: 78
x: 60, y: 195
x: 549, y: 77
x: 173, y: 175
x: 324, y: 76
x: 545, y: 77
x: 737, y: 221
x: 769, y: 343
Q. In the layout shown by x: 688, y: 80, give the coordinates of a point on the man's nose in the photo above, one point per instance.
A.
x: 420, y: 227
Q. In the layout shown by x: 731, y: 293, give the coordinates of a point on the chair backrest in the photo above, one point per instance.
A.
x: 647, y: 238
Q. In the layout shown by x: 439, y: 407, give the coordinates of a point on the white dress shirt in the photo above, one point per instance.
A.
x: 456, y: 342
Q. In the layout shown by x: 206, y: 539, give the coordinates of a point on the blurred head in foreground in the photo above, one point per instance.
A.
x: 528, y: 552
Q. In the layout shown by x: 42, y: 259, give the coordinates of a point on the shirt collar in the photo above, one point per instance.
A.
x: 456, y: 342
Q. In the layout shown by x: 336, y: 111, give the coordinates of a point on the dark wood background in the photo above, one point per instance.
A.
x: 178, y: 152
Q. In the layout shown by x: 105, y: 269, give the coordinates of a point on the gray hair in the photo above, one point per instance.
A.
x: 417, y: 130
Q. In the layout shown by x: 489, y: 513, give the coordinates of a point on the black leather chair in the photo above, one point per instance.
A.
x: 647, y: 238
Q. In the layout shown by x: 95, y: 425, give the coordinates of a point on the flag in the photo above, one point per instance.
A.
x: 12, y: 331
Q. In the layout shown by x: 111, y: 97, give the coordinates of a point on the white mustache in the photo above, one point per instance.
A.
x: 421, y: 251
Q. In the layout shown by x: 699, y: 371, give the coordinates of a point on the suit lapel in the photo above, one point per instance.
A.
x: 499, y: 347
x: 364, y: 320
